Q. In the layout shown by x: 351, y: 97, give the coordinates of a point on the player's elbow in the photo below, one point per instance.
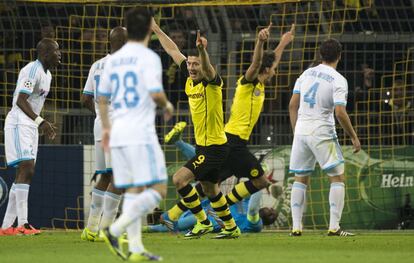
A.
x: 159, y: 98
x: 340, y: 112
x: 293, y: 105
x: 85, y: 99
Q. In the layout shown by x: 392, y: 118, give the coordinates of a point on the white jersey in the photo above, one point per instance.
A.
x: 91, y: 88
x: 93, y: 81
x: 130, y: 76
x: 32, y: 80
x: 321, y: 88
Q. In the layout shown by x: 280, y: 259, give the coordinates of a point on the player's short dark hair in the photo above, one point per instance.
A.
x: 268, y: 215
x: 192, y: 53
x: 330, y: 50
x: 267, y: 60
x: 138, y: 22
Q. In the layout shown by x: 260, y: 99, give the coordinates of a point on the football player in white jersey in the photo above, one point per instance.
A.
x: 132, y: 79
x: 21, y: 132
x: 105, y: 197
x: 318, y: 93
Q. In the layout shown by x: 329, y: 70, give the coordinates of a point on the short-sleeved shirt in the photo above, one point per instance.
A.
x: 93, y: 81
x: 245, y: 110
x: 34, y: 81
x: 206, y: 106
x: 130, y: 76
x: 321, y: 88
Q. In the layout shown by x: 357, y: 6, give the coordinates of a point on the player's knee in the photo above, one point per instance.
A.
x: 112, y: 189
x: 302, y: 178
x: 261, y: 182
x: 25, y: 173
x: 178, y: 181
x: 105, y: 179
x: 336, y: 174
x: 182, y: 177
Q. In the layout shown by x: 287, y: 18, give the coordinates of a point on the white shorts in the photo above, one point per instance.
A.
x: 138, y: 165
x: 102, y: 159
x: 307, y: 149
x: 21, y: 143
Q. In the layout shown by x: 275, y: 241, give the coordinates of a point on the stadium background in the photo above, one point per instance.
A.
x: 377, y: 39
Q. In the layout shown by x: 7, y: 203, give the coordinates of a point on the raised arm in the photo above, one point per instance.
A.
x: 167, y: 44
x: 284, y: 41
x: 253, y: 70
x: 208, y: 70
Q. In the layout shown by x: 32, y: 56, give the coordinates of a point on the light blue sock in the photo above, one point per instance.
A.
x: 187, y: 149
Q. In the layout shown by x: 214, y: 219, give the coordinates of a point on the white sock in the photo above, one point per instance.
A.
x: 135, y: 206
x: 297, y: 204
x: 336, y: 204
x: 95, y: 210
x: 22, y: 195
x: 11, y: 212
x: 110, y: 209
x: 134, y: 236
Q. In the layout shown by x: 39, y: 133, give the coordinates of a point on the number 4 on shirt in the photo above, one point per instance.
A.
x: 311, y: 94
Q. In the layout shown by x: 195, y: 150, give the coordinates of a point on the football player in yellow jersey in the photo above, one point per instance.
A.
x: 204, y: 91
x: 247, y: 105
x: 245, y: 111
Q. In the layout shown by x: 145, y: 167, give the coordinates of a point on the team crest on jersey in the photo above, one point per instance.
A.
x: 28, y: 84
x: 256, y: 92
x: 254, y: 172
x: 3, y: 191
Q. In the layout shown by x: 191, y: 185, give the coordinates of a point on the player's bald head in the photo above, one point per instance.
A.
x: 45, y: 45
x: 117, y: 37
x: 48, y: 52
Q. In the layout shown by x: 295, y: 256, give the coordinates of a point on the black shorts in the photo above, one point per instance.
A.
x: 208, y: 162
x: 241, y: 162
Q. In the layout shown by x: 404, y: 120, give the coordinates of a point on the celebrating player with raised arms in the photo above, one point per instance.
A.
x: 245, y: 111
x: 21, y: 134
x: 204, y: 91
x: 105, y: 197
x: 318, y: 93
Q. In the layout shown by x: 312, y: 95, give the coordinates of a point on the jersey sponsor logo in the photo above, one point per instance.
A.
x: 196, y: 96
x: 256, y: 92
x: 3, y: 191
x: 28, y: 84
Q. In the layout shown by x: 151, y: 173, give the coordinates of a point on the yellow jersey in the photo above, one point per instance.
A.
x: 205, y: 100
x: 246, y: 108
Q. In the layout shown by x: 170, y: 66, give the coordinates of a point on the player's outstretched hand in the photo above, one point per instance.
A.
x: 288, y: 36
x: 201, y: 42
x: 168, y: 111
x: 105, y: 139
x: 264, y: 33
x: 48, y: 129
x: 356, y: 144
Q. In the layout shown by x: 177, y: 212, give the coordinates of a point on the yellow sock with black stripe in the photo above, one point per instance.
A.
x: 177, y: 210
x: 240, y: 191
x: 192, y: 201
x: 219, y: 204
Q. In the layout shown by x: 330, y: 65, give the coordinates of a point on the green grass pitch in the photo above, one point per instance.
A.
x: 61, y: 247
